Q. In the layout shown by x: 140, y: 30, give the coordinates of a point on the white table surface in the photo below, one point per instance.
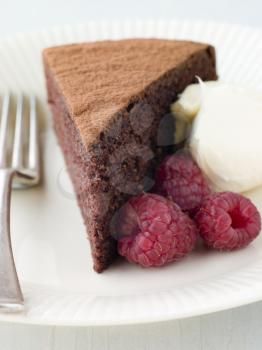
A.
x: 237, y: 329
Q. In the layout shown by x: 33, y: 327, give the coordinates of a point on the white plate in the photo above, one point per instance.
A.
x: 51, y: 251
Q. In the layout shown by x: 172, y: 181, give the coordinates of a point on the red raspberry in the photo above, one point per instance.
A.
x: 153, y: 231
x: 228, y: 221
x: 179, y: 178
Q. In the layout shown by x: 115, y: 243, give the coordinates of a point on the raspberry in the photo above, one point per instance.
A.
x: 153, y: 231
x: 228, y: 221
x: 179, y: 178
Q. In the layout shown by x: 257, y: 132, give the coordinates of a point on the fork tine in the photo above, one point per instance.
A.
x: 3, y: 130
x: 17, y: 158
x: 33, y: 159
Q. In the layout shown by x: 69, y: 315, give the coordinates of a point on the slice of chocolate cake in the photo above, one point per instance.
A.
x: 108, y: 99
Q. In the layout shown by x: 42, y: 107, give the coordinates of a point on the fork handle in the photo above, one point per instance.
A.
x: 11, y: 298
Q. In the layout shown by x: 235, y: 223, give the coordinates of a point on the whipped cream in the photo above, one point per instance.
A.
x: 226, y: 136
x: 188, y: 104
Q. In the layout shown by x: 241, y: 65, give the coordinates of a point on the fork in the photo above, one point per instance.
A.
x: 26, y: 172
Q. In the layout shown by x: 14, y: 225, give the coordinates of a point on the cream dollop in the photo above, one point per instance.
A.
x: 226, y: 136
x: 188, y: 104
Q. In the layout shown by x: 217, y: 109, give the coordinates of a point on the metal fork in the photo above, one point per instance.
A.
x: 26, y: 172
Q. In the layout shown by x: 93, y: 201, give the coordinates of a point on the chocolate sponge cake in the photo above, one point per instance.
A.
x: 108, y: 100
